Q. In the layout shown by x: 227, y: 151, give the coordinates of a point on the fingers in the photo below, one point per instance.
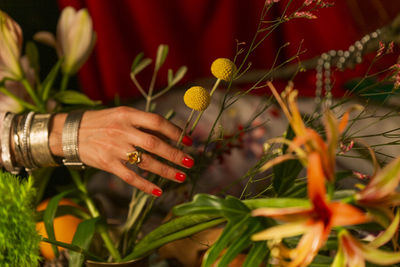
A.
x: 136, y: 180
x: 150, y: 164
x: 157, y: 123
x: 155, y: 145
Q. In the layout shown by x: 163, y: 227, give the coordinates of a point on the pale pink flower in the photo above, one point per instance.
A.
x: 75, y: 38
x: 10, y: 48
x: 16, y: 88
x: 308, y: 2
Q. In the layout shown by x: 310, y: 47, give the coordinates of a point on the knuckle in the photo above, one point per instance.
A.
x: 156, y: 120
x: 165, y: 171
x: 174, y: 154
x: 151, y: 142
x: 123, y: 112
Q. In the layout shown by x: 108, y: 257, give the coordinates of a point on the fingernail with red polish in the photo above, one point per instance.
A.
x: 188, y: 162
x: 187, y: 141
x: 180, y: 176
x: 156, y: 192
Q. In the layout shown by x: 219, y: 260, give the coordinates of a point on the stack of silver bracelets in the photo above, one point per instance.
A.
x: 25, y: 142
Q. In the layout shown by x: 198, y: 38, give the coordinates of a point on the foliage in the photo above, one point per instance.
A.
x: 19, y: 242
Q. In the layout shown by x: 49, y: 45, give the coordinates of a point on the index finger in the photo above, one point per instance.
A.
x: 156, y: 123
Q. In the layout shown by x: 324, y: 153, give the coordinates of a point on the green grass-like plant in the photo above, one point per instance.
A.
x: 19, y: 241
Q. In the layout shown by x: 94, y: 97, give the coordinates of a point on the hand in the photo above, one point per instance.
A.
x: 106, y: 136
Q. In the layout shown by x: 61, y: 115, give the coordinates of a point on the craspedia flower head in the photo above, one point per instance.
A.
x: 197, y: 98
x: 223, y: 68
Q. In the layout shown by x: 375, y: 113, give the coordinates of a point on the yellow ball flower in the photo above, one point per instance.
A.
x: 197, y: 98
x: 223, y: 68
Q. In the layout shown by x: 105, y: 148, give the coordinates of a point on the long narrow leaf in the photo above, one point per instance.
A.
x: 82, y: 238
x: 143, y: 249
x: 50, y: 214
x: 242, y: 242
x: 256, y: 255
x: 227, y: 235
x: 49, y: 81
x: 162, y: 53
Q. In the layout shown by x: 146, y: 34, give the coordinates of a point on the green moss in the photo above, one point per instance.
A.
x: 19, y: 241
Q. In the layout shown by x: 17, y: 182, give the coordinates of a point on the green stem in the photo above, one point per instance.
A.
x: 201, y: 112
x: 19, y: 100
x: 151, y: 88
x: 32, y: 94
x: 184, y: 128
x: 95, y: 213
x: 64, y: 82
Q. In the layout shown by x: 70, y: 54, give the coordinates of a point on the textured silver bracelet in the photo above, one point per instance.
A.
x: 26, y: 152
x: 39, y: 141
x: 6, y: 144
x: 70, y: 140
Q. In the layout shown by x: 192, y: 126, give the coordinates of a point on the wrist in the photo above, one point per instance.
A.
x: 55, y: 139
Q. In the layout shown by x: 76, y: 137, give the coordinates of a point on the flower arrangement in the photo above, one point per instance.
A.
x: 301, y: 217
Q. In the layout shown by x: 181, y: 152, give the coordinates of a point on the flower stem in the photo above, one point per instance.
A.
x: 95, y: 213
x: 64, y: 82
x: 184, y: 128
x: 201, y: 112
x: 32, y: 94
x: 19, y: 100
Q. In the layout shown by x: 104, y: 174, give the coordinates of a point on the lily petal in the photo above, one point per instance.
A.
x: 345, y: 214
x: 282, y: 231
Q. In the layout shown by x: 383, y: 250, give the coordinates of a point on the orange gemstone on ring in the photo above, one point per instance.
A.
x: 134, y: 157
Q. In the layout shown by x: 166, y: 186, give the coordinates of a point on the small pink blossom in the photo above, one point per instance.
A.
x: 390, y: 48
x: 304, y: 14
x: 361, y: 176
x: 381, y: 49
x: 346, y: 148
x: 308, y: 2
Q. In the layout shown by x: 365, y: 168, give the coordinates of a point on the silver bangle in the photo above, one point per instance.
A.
x: 39, y: 141
x: 70, y: 140
x: 29, y: 164
x: 6, y: 144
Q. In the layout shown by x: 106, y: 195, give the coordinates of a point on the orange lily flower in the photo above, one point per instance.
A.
x: 353, y: 253
x: 311, y: 140
x: 315, y: 223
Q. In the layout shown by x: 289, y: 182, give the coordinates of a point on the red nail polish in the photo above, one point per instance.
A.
x: 156, y: 192
x: 180, y: 176
x: 187, y: 141
x: 188, y: 162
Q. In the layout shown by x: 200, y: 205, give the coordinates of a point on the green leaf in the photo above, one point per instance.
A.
x: 141, y: 66
x: 64, y: 210
x: 276, y: 203
x: 256, y: 255
x: 82, y: 238
x: 143, y: 248
x: 178, y: 76
x: 41, y: 177
x: 242, y: 242
x: 75, y: 98
x: 31, y: 51
x: 212, y: 205
x: 162, y: 53
x: 49, y: 80
x: 50, y: 214
x: 231, y: 231
x: 136, y: 61
x: 170, y: 77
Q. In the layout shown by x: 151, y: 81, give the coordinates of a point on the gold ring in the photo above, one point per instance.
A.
x: 134, y: 157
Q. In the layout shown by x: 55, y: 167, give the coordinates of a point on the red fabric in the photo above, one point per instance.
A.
x: 197, y: 32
